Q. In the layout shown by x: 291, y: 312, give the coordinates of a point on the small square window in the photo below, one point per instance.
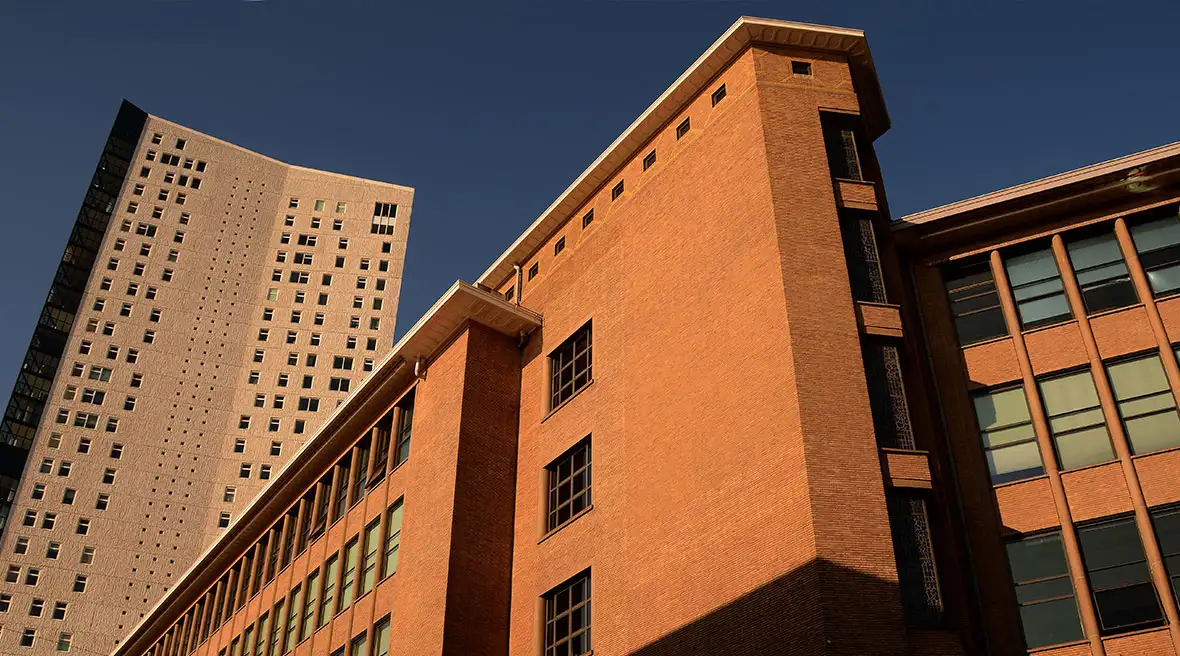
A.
x: 587, y: 218
x: 534, y: 270
x: 718, y: 95
x: 276, y: 449
x: 800, y: 68
x: 244, y: 470
x: 264, y: 472
x: 180, y: 144
x: 617, y: 191
x: 559, y: 246
x: 683, y: 128
x: 223, y: 520
x: 229, y: 494
x: 649, y: 161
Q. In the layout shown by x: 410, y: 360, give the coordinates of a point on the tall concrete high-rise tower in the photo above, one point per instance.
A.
x: 212, y: 307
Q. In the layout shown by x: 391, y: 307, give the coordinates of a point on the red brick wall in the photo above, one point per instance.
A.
x: 478, y: 581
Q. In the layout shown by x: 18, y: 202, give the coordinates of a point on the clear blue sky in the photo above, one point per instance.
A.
x: 489, y: 109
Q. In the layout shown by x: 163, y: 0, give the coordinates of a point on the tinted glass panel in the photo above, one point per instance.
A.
x: 1076, y: 420
x: 1048, y: 609
x: 1119, y: 577
x: 975, y: 305
x: 1158, y: 244
x: 1146, y: 404
x: 1101, y: 273
x: 1008, y: 439
x: 1037, y: 286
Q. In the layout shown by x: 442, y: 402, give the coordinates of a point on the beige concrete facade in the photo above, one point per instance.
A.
x: 250, y: 290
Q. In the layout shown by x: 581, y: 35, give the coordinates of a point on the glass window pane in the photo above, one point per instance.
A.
x: 1094, y: 251
x: 1083, y: 448
x: 1031, y: 267
x: 1051, y: 623
x: 1012, y: 463
x: 1137, y: 377
x: 1001, y: 408
x: 1167, y: 529
x: 1126, y: 608
x: 1069, y: 393
x: 1154, y: 432
x: 1037, y: 558
x: 1110, y: 544
x: 1045, y: 310
x: 1164, y: 280
x: 1156, y: 234
x: 1050, y: 589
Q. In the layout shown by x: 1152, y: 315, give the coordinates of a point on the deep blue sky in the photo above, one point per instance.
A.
x: 489, y: 109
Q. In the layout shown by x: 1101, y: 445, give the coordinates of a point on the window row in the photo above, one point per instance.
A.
x: 327, y: 590
x: 28, y: 638
x: 36, y: 607
x: 1116, y: 568
x: 1097, y: 261
x: 32, y: 575
x: 1077, y: 426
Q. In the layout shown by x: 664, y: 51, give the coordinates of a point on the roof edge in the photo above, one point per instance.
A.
x: 1038, y: 186
x: 417, y: 341
x: 746, y: 30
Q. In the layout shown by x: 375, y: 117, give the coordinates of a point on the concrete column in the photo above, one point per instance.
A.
x: 1118, y: 438
x: 1143, y: 287
x: 1069, y: 536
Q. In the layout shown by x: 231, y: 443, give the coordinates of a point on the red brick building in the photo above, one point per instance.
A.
x: 714, y: 401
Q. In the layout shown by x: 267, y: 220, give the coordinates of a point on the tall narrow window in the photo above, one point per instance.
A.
x: 840, y: 136
x: 294, y: 607
x: 1167, y: 530
x: 381, y: 638
x: 348, y: 575
x: 393, y: 539
x: 328, y: 596
x: 1101, y: 272
x: 1157, y: 240
x: 263, y: 626
x: 1036, y: 284
x: 362, y: 470
x: 341, y: 491
x: 357, y: 646
x: 1075, y: 420
x: 276, y: 630
x: 1119, y: 577
x: 1048, y: 608
x: 323, y: 503
x: 917, y: 573
x: 1146, y: 404
x: 975, y: 305
x: 405, y: 427
x: 569, y: 484
x: 567, y: 618
x: 570, y: 366
x: 309, y: 605
x: 369, y: 564
x: 1009, y: 441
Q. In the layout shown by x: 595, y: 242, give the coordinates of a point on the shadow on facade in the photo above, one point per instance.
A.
x: 819, y: 608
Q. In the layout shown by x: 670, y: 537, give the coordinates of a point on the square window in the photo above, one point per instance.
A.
x: 223, y: 520
x: 567, y: 617
x: 649, y: 160
x: 799, y: 68
x: 570, y: 366
x: 718, y: 95
x: 683, y: 128
x: 617, y: 191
